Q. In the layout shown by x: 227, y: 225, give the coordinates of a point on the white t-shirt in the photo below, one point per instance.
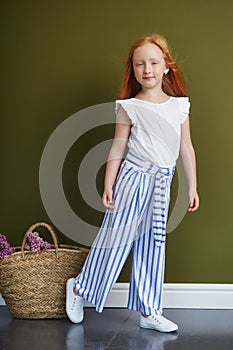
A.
x: 156, y: 128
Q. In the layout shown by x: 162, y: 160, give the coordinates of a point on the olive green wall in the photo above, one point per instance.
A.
x: 58, y: 57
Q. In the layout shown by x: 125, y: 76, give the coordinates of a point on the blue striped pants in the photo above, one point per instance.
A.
x: 137, y: 223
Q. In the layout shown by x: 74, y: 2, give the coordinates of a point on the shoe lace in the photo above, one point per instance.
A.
x: 156, y: 319
x: 76, y: 305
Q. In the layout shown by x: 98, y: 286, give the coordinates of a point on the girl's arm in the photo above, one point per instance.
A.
x: 188, y: 159
x: 122, y: 131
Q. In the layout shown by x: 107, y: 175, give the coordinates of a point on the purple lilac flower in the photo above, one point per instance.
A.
x: 5, y: 248
x: 36, y: 243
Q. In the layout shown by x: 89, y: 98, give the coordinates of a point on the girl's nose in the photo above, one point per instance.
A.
x: 147, y: 69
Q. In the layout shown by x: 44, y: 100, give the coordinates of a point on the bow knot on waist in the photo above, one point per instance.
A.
x: 148, y: 167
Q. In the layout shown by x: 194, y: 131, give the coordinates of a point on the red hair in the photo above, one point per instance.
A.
x: 173, y: 82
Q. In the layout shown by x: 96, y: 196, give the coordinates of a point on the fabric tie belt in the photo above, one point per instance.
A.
x: 161, y: 196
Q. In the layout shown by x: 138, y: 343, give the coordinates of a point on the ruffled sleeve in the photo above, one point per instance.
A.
x: 184, y: 108
x: 127, y: 107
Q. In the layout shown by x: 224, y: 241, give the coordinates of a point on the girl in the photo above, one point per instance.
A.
x: 152, y: 118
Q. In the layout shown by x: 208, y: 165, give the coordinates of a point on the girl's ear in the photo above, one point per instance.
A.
x: 166, y: 71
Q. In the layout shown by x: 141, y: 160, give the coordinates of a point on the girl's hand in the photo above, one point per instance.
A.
x: 107, y: 199
x: 193, y: 201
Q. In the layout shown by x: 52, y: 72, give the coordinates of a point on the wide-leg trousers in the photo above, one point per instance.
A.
x: 137, y: 223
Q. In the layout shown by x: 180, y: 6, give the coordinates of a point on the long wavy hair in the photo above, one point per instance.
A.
x: 173, y: 82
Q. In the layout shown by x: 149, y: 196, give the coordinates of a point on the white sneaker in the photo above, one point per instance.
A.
x: 158, y: 323
x: 74, y: 303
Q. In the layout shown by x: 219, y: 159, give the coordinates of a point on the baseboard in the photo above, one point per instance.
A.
x: 181, y: 296
x: 178, y: 295
x: 198, y: 296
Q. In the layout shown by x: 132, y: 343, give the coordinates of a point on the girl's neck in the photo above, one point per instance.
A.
x: 152, y: 96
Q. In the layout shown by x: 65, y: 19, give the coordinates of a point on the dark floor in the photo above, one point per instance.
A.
x: 118, y: 329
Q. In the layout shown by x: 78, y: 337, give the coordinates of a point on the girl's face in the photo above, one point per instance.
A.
x: 149, y: 66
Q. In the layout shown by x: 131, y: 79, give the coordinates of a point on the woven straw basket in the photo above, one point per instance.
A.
x: 34, y: 284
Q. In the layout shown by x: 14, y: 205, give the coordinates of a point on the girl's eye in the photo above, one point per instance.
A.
x: 139, y: 64
x: 154, y: 62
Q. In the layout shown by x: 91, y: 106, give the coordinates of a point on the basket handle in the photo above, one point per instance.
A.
x: 32, y: 228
